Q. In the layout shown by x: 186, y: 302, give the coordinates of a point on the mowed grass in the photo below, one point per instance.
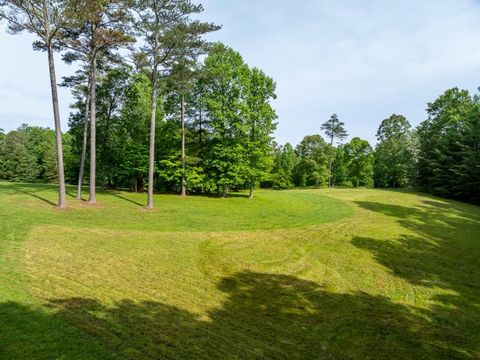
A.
x: 301, y: 274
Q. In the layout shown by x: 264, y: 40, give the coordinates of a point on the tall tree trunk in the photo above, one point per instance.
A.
x: 330, y: 162
x: 84, y: 145
x: 182, y: 118
x: 250, y: 195
x: 92, y: 199
x: 104, y: 145
x: 152, y: 141
x: 62, y: 202
x: 330, y: 178
x: 358, y: 175
x: 200, y: 130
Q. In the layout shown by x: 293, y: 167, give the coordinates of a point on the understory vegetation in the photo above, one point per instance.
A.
x: 334, y: 273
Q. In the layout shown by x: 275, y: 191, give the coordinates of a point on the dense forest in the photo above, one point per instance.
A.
x: 159, y: 108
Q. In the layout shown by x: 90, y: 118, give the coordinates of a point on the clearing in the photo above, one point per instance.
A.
x: 301, y: 274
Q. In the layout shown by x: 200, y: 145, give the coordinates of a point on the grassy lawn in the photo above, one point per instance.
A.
x: 301, y: 274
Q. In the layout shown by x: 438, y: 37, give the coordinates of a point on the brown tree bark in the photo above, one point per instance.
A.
x: 330, y: 161
x: 152, y: 141
x: 62, y: 202
x: 92, y: 199
x: 182, y: 119
x: 84, y: 146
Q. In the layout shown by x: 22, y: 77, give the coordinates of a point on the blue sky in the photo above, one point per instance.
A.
x: 361, y: 59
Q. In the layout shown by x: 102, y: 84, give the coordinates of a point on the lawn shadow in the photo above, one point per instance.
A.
x: 33, y: 194
x: 33, y: 189
x: 117, y: 195
x: 443, y: 252
x: 441, y: 249
x: 263, y: 316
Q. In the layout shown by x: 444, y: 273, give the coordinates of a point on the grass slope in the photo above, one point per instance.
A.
x: 341, y: 273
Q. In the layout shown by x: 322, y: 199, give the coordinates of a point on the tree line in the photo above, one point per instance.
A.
x: 159, y: 107
x: 440, y: 156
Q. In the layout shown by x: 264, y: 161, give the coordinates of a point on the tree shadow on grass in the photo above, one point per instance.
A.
x: 33, y: 190
x: 30, y: 190
x: 32, y: 194
x: 444, y: 251
x: 117, y: 195
x: 440, y: 250
x: 263, y: 316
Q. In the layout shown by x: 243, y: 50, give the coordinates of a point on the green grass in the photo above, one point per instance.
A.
x: 303, y: 274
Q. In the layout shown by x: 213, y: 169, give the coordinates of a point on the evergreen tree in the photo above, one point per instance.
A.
x: 45, y: 19
x: 167, y: 31
x: 334, y: 129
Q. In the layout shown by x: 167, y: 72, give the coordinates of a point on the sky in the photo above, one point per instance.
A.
x: 360, y: 59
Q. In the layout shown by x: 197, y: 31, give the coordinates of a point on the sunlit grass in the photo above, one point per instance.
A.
x: 341, y: 273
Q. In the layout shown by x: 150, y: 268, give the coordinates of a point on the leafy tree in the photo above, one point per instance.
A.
x: 185, y: 71
x: 259, y: 126
x: 110, y: 98
x: 133, y: 132
x: 340, y: 167
x: 334, y: 129
x: 359, y: 156
x: 80, y: 85
x: 284, y: 162
x: 167, y: 31
x: 393, y: 153
x: 449, y: 155
x: 29, y: 154
x: 101, y: 26
x: 313, y: 161
x: 224, y: 93
x: 18, y: 163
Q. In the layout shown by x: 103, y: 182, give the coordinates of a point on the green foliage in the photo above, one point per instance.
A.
x: 394, y: 153
x: 284, y: 162
x: 312, y: 165
x: 259, y: 126
x: 449, y: 155
x: 28, y: 154
x: 334, y: 129
x: 340, y: 167
x: 235, y: 101
x: 359, y: 155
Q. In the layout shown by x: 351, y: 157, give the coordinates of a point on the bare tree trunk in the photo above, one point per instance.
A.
x: 152, y: 142
x: 226, y: 189
x: 250, y: 195
x: 330, y: 164
x: 62, y: 202
x: 92, y: 199
x: 330, y: 178
x: 104, y: 146
x: 84, y: 145
x: 200, y: 128
x: 182, y: 118
x: 358, y: 175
